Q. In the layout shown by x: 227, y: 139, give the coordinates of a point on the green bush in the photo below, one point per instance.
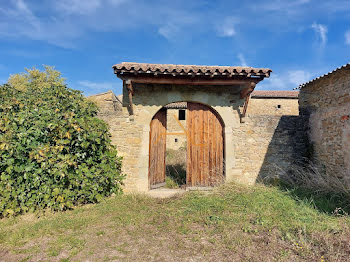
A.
x: 54, y: 152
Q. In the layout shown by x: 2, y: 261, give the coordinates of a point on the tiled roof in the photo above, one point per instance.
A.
x: 189, y: 70
x: 325, y: 75
x: 275, y: 94
x: 177, y: 105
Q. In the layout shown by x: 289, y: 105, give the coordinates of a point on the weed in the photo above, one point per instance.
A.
x: 175, y: 167
x: 311, y: 183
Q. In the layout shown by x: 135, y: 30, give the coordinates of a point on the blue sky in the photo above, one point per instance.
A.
x: 297, y: 39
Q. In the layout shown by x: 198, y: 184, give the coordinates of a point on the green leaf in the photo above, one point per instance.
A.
x: 44, y: 161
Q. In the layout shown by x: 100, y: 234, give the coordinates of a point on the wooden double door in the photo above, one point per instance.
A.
x: 205, y: 147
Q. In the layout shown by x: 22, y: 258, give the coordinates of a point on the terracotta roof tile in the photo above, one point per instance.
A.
x: 183, y: 70
x: 177, y: 105
x: 325, y: 75
x: 275, y: 94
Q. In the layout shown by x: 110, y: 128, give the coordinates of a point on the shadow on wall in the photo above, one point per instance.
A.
x: 288, y: 165
x: 288, y: 147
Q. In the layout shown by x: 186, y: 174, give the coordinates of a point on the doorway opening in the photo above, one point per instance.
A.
x: 186, y: 146
x: 176, y: 145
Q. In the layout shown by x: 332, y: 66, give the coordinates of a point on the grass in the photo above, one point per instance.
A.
x: 327, y: 191
x: 231, y: 223
x: 175, y: 167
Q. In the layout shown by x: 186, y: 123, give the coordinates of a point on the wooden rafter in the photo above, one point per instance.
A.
x: 245, y: 94
x: 130, y: 89
x: 188, y: 81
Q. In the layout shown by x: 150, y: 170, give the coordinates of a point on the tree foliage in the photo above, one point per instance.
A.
x: 54, y: 152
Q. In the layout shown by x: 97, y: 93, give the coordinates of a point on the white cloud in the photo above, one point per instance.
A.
x: 274, y: 82
x: 18, y: 21
x: 227, y: 30
x: 97, y: 85
x: 23, y: 7
x: 91, y: 88
x: 82, y: 7
x: 278, y: 5
x: 298, y: 77
x: 117, y: 2
x: 242, y: 59
x: 321, y: 31
x: 172, y: 23
x: 63, y: 22
x: 227, y: 27
x: 25, y: 12
x: 169, y: 31
x: 347, y: 37
x: 287, y: 80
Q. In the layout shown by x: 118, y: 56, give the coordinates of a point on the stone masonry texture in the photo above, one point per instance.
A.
x: 269, y: 138
x: 325, y: 104
x: 175, y: 130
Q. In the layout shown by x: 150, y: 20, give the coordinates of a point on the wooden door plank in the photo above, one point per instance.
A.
x: 195, y: 146
x: 206, y: 113
x: 211, y: 146
x: 157, y: 148
x: 200, y: 147
x: 205, y: 146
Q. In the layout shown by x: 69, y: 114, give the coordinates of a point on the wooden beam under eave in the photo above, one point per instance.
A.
x: 245, y: 107
x: 245, y: 93
x: 130, y: 89
x: 185, y: 81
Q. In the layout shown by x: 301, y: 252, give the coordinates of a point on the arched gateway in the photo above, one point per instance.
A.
x: 205, y: 147
x: 217, y: 98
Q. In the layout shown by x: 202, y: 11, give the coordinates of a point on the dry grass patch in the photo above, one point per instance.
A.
x: 231, y: 223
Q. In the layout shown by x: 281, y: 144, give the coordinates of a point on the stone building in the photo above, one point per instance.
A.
x: 325, y: 103
x: 231, y: 135
x: 274, y: 103
x: 176, y: 125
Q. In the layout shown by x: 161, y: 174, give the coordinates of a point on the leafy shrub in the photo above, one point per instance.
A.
x: 54, y: 152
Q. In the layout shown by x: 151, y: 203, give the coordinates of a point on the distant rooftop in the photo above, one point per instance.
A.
x: 176, y: 105
x: 274, y: 94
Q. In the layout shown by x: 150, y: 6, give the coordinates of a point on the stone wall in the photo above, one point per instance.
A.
x: 257, y: 106
x: 273, y: 106
x: 267, y: 143
x: 252, y: 148
x: 326, y: 105
x: 175, y: 141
